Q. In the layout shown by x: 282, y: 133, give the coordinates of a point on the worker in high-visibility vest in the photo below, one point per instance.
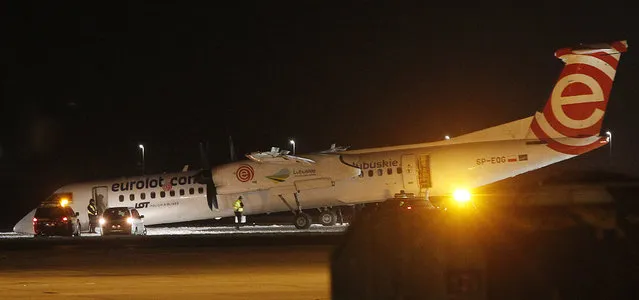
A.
x: 92, y: 212
x: 238, y: 209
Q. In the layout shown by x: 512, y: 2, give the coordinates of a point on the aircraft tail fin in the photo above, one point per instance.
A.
x: 571, y: 120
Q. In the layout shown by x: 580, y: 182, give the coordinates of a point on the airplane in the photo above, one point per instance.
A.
x: 274, y: 181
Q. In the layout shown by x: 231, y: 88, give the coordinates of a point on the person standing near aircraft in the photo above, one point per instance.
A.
x: 238, y: 209
x: 92, y: 211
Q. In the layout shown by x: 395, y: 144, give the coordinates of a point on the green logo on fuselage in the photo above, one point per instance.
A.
x: 280, y: 176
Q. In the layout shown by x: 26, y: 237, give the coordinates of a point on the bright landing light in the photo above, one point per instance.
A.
x: 461, y: 196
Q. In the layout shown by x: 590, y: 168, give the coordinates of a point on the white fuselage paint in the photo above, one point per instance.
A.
x: 466, y: 165
x: 371, y: 175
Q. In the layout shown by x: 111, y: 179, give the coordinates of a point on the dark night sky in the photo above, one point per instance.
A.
x: 85, y: 84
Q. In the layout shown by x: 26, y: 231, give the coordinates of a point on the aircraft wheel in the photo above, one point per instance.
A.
x: 302, y: 221
x: 328, y: 218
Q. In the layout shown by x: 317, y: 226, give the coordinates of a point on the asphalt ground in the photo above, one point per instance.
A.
x: 256, y: 262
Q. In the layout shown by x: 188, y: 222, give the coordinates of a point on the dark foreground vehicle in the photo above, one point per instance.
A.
x: 122, y: 220
x: 53, y: 219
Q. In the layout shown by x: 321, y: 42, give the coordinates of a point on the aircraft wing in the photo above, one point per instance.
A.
x: 278, y: 157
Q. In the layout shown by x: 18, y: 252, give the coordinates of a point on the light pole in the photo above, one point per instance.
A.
x: 143, y: 166
x: 609, y: 134
x: 293, y: 143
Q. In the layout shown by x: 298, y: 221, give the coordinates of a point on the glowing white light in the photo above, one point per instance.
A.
x: 461, y: 196
x: 293, y: 143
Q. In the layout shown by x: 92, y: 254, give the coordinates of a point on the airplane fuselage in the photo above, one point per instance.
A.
x: 336, y: 179
x: 569, y: 125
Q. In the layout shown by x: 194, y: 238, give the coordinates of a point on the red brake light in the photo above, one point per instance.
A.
x: 35, y: 220
x: 64, y: 219
x: 410, y: 207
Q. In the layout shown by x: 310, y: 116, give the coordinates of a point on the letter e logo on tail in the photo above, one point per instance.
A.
x: 571, y: 120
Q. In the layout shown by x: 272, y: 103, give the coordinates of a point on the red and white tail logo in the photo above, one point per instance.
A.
x: 571, y: 120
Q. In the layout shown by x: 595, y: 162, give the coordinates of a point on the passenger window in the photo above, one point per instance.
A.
x: 162, y: 194
x: 191, y: 191
x: 172, y: 193
x: 399, y: 170
x: 152, y: 195
x: 200, y: 190
x: 389, y: 171
x: 143, y: 196
x: 380, y: 172
x: 181, y: 192
x: 131, y: 197
x: 370, y: 173
x: 121, y: 198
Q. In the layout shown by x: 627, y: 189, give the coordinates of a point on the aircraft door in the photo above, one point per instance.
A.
x: 100, y: 194
x: 409, y: 174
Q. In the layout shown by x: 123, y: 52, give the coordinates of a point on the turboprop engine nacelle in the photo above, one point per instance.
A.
x: 268, y: 170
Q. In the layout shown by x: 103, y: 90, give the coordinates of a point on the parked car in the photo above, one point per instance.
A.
x: 122, y: 220
x: 55, y: 219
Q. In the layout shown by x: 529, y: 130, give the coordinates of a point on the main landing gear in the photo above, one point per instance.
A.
x: 328, y: 217
x: 302, y: 220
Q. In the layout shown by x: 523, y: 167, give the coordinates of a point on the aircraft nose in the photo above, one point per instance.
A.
x: 25, y: 225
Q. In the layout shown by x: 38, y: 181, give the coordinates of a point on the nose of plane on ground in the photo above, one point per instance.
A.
x: 25, y: 225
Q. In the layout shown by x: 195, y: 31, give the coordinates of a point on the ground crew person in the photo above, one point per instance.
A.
x: 238, y: 209
x: 93, y: 215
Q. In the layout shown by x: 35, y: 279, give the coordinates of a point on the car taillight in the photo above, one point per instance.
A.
x: 35, y: 220
x: 64, y: 219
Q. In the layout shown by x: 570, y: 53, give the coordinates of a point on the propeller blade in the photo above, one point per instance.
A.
x: 204, y: 157
x: 211, y: 196
x: 231, y: 149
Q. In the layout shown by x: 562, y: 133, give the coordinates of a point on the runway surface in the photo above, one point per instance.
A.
x: 264, y: 262
x: 219, y: 230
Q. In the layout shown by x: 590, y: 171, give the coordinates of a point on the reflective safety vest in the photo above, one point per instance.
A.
x: 92, y: 210
x: 237, y: 206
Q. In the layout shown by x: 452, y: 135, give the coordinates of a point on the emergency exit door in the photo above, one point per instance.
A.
x: 100, y: 194
x: 409, y: 174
